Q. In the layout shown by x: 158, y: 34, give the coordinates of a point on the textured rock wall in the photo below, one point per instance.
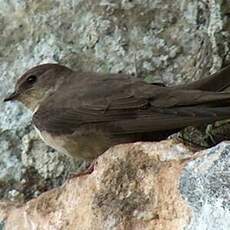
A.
x: 169, y: 41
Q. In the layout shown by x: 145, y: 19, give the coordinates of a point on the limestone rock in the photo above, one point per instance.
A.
x: 169, y: 41
x: 162, y: 185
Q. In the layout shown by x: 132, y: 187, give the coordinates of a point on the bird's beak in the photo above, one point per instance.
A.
x: 11, y: 97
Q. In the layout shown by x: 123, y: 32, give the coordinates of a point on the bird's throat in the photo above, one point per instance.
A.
x: 33, y: 99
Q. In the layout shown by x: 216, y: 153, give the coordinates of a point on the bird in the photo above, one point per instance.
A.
x: 82, y: 114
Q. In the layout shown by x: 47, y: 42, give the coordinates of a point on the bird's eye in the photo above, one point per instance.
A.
x: 31, y: 79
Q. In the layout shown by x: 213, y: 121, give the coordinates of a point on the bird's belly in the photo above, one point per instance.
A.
x: 56, y: 142
x: 78, y: 146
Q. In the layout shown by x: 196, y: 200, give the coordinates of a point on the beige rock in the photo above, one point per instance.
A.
x: 133, y: 187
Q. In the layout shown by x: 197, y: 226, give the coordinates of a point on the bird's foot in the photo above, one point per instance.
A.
x: 192, y: 145
x: 87, y: 171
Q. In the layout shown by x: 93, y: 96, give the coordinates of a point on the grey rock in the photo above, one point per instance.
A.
x: 205, y: 185
x: 164, y: 41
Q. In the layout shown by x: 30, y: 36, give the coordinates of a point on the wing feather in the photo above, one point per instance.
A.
x: 130, y: 107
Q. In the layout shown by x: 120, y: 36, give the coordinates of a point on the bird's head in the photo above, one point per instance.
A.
x: 38, y: 83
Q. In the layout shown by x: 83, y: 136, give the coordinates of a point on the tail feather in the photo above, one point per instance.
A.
x: 217, y: 82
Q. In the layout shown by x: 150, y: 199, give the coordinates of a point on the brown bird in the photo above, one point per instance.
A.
x: 82, y: 114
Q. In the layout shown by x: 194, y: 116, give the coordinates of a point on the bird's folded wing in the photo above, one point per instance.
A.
x: 168, y: 98
x: 132, y: 114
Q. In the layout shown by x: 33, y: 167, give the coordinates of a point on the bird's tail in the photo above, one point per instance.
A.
x: 217, y: 82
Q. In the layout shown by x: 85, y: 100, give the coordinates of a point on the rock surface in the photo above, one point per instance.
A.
x: 160, y: 186
x: 169, y: 41
x: 205, y: 185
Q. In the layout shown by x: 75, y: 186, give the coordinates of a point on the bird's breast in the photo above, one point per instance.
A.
x: 80, y: 146
x: 56, y: 142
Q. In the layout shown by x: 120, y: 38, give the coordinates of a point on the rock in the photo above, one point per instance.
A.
x: 131, y: 188
x: 162, y: 185
x: 164, y: 41
x: 183, y: 41
x: 204, y: 184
